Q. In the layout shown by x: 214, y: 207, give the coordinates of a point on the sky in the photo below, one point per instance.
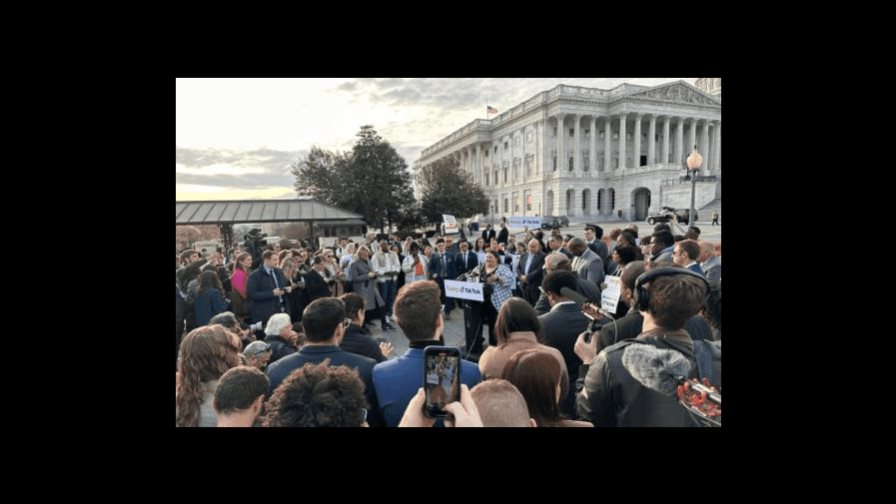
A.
x: 235, y: 138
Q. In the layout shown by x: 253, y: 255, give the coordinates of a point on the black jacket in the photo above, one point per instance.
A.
x: 613, y: 397
x: 356, y: 342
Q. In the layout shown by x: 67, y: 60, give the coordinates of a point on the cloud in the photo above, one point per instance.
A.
x: 234, y: 169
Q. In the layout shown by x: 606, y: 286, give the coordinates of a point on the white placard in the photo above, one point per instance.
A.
x: 609, y: 297
x: 450, y: 224
x: 519, y: 222
x: 463, y: 290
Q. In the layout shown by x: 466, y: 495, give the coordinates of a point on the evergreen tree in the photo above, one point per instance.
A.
x: 371, y: 180
x: 448, y: 190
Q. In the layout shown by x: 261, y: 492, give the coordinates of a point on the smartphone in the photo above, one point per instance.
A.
x: 441, y: 379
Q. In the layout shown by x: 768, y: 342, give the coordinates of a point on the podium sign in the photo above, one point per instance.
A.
x: 463, y: 290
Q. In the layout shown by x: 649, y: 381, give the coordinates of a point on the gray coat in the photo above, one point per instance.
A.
x: 365, y: 286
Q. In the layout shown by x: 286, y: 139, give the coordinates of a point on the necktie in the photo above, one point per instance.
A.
x: 277, y: 286
x: 466, y: 264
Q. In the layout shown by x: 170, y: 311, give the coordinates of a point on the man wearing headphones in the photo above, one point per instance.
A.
x: 632, y: 383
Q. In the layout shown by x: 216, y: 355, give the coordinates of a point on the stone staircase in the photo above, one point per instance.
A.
x: 705, y: 212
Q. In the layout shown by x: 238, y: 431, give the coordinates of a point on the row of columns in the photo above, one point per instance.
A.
x: 709, y: 147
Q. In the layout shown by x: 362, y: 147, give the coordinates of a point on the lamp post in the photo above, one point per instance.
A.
x: 695, y: 161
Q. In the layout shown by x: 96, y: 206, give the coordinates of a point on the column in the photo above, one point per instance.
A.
x: 679, y: 142
x: 577, y: 155
x: 637, y: 135
x: 561, y: 155
x: 478, y: 163
x: 710, y: 125
x: 665, y: 149
x: 608, y: 150
x: 545, y: 152
x: 705, y: 148
x: 651, y: 141
x: 717, y: 150
x: 692, y: 138
x: 592, y: 152
x: 622, y: 118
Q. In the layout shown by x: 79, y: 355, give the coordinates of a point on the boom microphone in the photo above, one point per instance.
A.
x: 662, y: 370
x: 580, y: 300
x: 656, y: 368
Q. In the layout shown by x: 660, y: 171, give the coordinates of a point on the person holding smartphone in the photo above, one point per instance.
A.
x: 417, y: 312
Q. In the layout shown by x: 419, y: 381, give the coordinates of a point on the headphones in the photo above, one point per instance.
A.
x: 642, y: 295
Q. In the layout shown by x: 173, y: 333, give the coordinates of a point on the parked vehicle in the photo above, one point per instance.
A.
x: 682, y: 215
x: 552, y: 221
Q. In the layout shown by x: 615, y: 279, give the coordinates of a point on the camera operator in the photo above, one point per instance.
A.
x: 623, y: 382
x: 254, y: 245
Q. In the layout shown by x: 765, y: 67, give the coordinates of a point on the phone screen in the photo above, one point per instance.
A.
x: 441, y: 378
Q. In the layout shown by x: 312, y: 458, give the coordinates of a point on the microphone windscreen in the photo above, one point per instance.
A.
x: 656, y: 368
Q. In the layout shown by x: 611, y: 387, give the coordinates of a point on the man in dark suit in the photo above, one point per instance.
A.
x: 465, y: 261
x: 593, y: 235
x: 503, y: 234
x: 323, y: 324
x: 265, y: 288
x: 488, y: 234
x: 530, y: 272
x: 562, y: 326
x: 441, y: 266
x: 685, y: 254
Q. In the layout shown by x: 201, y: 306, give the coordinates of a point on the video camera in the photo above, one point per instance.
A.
x: 256, y: 237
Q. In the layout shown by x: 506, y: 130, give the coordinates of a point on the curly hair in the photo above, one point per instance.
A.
x: 205, y: 354
x: 317, y: 395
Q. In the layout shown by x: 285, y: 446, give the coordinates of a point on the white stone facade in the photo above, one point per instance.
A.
x: 514, y: 158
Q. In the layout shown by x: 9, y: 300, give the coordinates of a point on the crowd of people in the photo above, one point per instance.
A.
x: 271, y: 337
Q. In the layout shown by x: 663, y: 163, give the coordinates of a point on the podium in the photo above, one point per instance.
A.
x: 470, y: 296
x: 473, y: 329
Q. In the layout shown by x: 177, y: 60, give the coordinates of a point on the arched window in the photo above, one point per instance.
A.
x: 612, y: 199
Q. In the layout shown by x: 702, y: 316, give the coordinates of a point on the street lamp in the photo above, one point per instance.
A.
x: 695, y: 161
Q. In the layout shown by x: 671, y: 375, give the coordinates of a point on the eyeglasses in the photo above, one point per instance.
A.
x: 347, y: 322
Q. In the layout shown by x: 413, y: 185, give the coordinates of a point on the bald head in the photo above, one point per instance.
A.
x: 707, y: 251
x: 501, y: 404
x: 576, y: 246
x: 534, y: 246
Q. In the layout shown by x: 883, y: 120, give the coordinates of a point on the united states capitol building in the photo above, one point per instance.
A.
x: 595, y: 154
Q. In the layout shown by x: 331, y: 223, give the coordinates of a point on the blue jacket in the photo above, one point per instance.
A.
x: 278, y: 371
x: 396, y: 381
x: 208, y: 304
x: 260, y: 291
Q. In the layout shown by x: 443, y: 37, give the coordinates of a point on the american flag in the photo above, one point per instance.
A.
x: 490, y: 110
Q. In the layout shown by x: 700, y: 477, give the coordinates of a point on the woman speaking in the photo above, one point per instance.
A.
x: 498, y: 282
